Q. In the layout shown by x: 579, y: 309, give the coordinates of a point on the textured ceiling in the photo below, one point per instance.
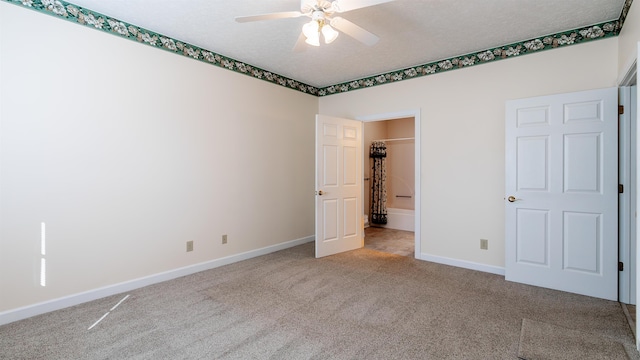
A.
x: 411, y: 32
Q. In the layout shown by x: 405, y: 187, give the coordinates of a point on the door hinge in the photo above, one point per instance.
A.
x: 620, y: 109
x: 620, y: 266
x: 620, y: 188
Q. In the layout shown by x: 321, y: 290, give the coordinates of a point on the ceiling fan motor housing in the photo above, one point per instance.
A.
x: 309, y: 7
x: 318, y: 15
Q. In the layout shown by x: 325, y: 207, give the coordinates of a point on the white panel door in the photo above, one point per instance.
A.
x: 339, y: 211
x: 562, y: 192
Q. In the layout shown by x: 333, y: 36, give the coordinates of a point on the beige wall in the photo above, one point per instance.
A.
x: 126, y: 152
x: 400, y: 163
x: 462, y: 137
x: 400, y: 128
x: 628, y: 40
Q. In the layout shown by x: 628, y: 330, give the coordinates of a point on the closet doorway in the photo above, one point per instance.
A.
x: 394, y: 227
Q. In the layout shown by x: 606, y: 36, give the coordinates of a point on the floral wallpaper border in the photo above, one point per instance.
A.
x: 572, y: 37
x: 98, y: 21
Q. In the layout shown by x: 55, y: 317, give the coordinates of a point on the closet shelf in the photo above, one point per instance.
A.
x: 398, y: 139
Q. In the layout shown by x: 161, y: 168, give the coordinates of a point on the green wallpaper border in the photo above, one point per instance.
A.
x: 95, y: 20
x: 572, y: 37
x: 86, y: 17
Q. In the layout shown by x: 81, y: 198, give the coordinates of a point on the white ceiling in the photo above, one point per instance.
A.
x: 412, y: 32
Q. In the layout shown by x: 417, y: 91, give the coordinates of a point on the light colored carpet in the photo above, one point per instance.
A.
x: 543, y: 341
x: 362, y: 304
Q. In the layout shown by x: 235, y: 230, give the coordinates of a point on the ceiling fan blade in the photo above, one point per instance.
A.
x: 300, y: 45
x: 271, y: 16
x: 348, y: 5
x: 354, y: 31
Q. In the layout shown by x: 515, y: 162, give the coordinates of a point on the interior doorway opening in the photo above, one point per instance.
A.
x: 399, y: 133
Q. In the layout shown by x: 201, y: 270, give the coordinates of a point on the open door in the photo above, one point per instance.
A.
x: 561, y: 201
x: 339, y: 210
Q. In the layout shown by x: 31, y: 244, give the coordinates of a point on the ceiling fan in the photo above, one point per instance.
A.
x: 323, y: 21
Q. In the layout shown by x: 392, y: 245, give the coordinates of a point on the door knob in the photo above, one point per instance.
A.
x: 512, y: 198
x: 319, y: 192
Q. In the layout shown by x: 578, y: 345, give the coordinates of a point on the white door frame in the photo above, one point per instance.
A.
x: 630, y: 78
x: 627, y: 203
x: 628, y: 287
x: 417, y: 173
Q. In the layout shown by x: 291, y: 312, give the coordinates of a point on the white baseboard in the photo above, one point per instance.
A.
x: 463, y: 264
x: 75, y: 299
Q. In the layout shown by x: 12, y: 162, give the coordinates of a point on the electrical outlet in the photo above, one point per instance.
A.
x: 224, y: 239
x: 484, y: 244
x: 189, y: 246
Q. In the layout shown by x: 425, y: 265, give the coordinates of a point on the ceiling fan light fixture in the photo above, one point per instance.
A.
x: 315, y: 41
x: 311, y: 32
x: 323, y: 20
x: 310, y: 29
x: 329, y: 34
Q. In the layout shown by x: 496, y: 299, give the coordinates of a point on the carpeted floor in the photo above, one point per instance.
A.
x: 539, y: 340
x: 362, y: 304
